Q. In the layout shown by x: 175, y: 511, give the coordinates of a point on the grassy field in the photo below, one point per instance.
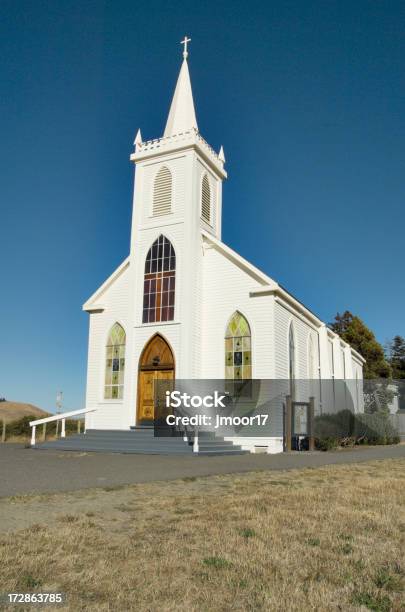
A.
x: 331, y: 538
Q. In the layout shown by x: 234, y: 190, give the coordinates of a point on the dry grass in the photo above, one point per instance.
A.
x: 323, y: 539
x: 14, y: 411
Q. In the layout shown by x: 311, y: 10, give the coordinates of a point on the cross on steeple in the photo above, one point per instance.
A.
x: 184, y: 42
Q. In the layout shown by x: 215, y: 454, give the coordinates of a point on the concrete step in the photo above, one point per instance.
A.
x: 106, y: 444
x: 133, y: 439
x: 147, y: 431
x: 123, y: 450
x: 140, y: 440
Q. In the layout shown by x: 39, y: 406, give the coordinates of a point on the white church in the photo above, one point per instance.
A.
x: 183, y: 305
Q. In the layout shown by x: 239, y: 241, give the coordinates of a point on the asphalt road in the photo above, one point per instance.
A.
x: 24, y: 471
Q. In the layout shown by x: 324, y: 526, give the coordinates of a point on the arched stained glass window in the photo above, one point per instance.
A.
x: 238, y: 349
x: 115, y: 363
x: 159, y: 282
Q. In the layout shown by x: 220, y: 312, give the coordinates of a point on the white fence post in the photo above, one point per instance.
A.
x: 63, y: 432
x: 33, y: 436
x: 195, y: 443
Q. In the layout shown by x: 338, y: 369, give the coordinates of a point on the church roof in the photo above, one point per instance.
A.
x: 93, y: 304
x: 182, y: 114
x: 271, y: 287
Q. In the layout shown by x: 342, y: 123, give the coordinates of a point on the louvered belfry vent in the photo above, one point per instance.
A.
x: 162, y: 192
x: 206, y: 199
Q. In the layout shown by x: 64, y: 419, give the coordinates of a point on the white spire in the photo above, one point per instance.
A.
x: 182, y: 113
x: 221, y: 155
x: 138, y: 138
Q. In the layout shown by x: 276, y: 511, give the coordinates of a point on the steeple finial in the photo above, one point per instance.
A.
x: 182, y: 113
x: 184, y: 42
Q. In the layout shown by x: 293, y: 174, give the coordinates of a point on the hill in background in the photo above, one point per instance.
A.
x: 13, y: 411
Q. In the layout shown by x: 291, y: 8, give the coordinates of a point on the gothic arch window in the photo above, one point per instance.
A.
x: 238, y: 349
x: 206, y: 199
x: 162, y: 192
x: 159, y: 282
x: 115, y: 363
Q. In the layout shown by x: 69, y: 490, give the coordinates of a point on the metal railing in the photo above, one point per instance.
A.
x: 189, y: 433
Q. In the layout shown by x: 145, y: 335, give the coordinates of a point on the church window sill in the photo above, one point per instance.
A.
x: 158, y: 324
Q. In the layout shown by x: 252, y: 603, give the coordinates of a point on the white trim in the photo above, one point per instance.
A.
x: 191, y: 140
x: 238, y: 260
x: 157, y: 323
x: 62, y: 415
x: 90, y: 305
x: 163, y: 223
x: 57, y: 417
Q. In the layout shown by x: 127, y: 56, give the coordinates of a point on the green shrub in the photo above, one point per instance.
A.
x: 325, y: 444
x: 375, y: 428
x: 344, y: 428
x: 338, y: 425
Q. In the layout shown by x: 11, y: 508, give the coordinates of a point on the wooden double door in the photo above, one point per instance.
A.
x: 155, y: 365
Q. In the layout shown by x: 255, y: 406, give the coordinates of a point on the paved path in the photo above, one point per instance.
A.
x: 25, y: 471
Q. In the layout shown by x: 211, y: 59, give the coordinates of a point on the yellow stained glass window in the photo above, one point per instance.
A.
x: 238, y: 351
x: 115, y: 363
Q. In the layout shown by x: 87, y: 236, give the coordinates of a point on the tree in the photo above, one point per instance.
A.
x: 352, y: 329
x: 396, y: 357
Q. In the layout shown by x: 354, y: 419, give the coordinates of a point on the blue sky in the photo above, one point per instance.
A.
x: 307, y: 99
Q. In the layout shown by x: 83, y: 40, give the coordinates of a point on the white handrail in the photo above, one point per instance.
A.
x: 57, y: 417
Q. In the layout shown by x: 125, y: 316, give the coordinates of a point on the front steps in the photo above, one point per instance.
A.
x: 141, y: 440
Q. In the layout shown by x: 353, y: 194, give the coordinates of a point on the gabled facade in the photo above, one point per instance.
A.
x: 168, y: 311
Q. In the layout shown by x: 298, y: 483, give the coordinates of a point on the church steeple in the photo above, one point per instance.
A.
x: 182, y: 114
